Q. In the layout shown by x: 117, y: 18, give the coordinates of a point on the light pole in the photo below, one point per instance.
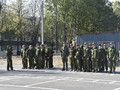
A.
x: 42, y: 22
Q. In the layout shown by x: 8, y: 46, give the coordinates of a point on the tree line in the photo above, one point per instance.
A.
x: 63, y: 19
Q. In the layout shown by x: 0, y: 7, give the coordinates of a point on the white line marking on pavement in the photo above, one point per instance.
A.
x: 112, y: 82
x: 95, y: 81
x: 17, y: 86
x: 117, y: 89
x: 79, y: 79
x: 44, y: 82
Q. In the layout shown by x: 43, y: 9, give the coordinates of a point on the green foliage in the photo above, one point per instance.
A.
x: 79, y: 16
x: 64, y: 19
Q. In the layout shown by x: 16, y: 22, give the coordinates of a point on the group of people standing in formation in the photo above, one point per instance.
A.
x: 89, y: 57
x: 38, y: 57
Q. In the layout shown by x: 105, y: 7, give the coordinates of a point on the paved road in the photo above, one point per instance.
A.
x: 56, y: 79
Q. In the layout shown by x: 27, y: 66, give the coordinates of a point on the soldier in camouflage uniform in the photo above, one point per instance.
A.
x: 112, y: 56
x: 31, y: 56
x: 106, y: 54
x: 42, y: 56
x: 101, y: 57
x: 47, y: 54
x: 37, y: 56
x: 86, y: 57
x: 51, y: 52
x: 94, y: 58
x: 78, y: 56
x: 90, y: 46
x: 64, y: 54
x: 9, y: 54
x: 72, y: 57
x: 119, y: 55
x: 24, y: 57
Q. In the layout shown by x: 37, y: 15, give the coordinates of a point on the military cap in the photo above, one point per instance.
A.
x: 71, y: 44
x: 8, y: 46
x: 81, y: 45
x: 104, y: 44
x: 111, y: 43
x: 89, y: 43
x: 30, y: 46
x: 46, y: 45
x: 37, y: 44
x: 85, y: 43
x: 77, y: 45
x: 23, y: 45
x: 99, y: 44
x: 93, y: 43
x: 63, y: 42
x: 42, y: 44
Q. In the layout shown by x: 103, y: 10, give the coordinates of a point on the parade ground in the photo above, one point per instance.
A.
x: 55, y: 79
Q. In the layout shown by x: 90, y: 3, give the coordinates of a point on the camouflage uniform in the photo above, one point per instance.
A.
x: 24, y: 57
x: 42, y: 57
x: 9, y: 54
x: 118, y: 55
x: 31, y: 56
x: 101, y: 58
x: 90, y: 46
x: 79, y: 54
x: 94, y: 58
x: 86, y: 60
x: 106, y: 54
x: 64, y: 55
x: 47, y: 53
x: 37, y: 56
x: 51, y: 52
x: 72, y: 58
x: 112, y: 56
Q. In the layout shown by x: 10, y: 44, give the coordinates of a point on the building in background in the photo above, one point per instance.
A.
x: 100, y: 38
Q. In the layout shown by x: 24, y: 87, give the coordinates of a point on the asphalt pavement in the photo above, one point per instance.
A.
x: 55, y: 79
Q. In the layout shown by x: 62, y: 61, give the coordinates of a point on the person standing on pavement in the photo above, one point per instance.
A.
x: 101, y: 57
x: 51, y: 52
x: 73, y: 62
x: 64, y: 54
x: 47, y: 52
x: 24, y: 57
x: 37, y: 56
x: 90, y: 47
x: 9, y: 54
x: 112, y: 57
x: 42, y: 56
x: 31, y: 56
x: 94, y: 58
x: 106, y: 54
x: 86, y: 57
x: 78, y: 56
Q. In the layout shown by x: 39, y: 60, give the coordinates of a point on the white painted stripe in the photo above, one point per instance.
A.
x: 94, y: 81
x: 17, y: 86
x: 79, y: 79
x: 112, y: 82
x: 43, y: 82
x: 117, y: 89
